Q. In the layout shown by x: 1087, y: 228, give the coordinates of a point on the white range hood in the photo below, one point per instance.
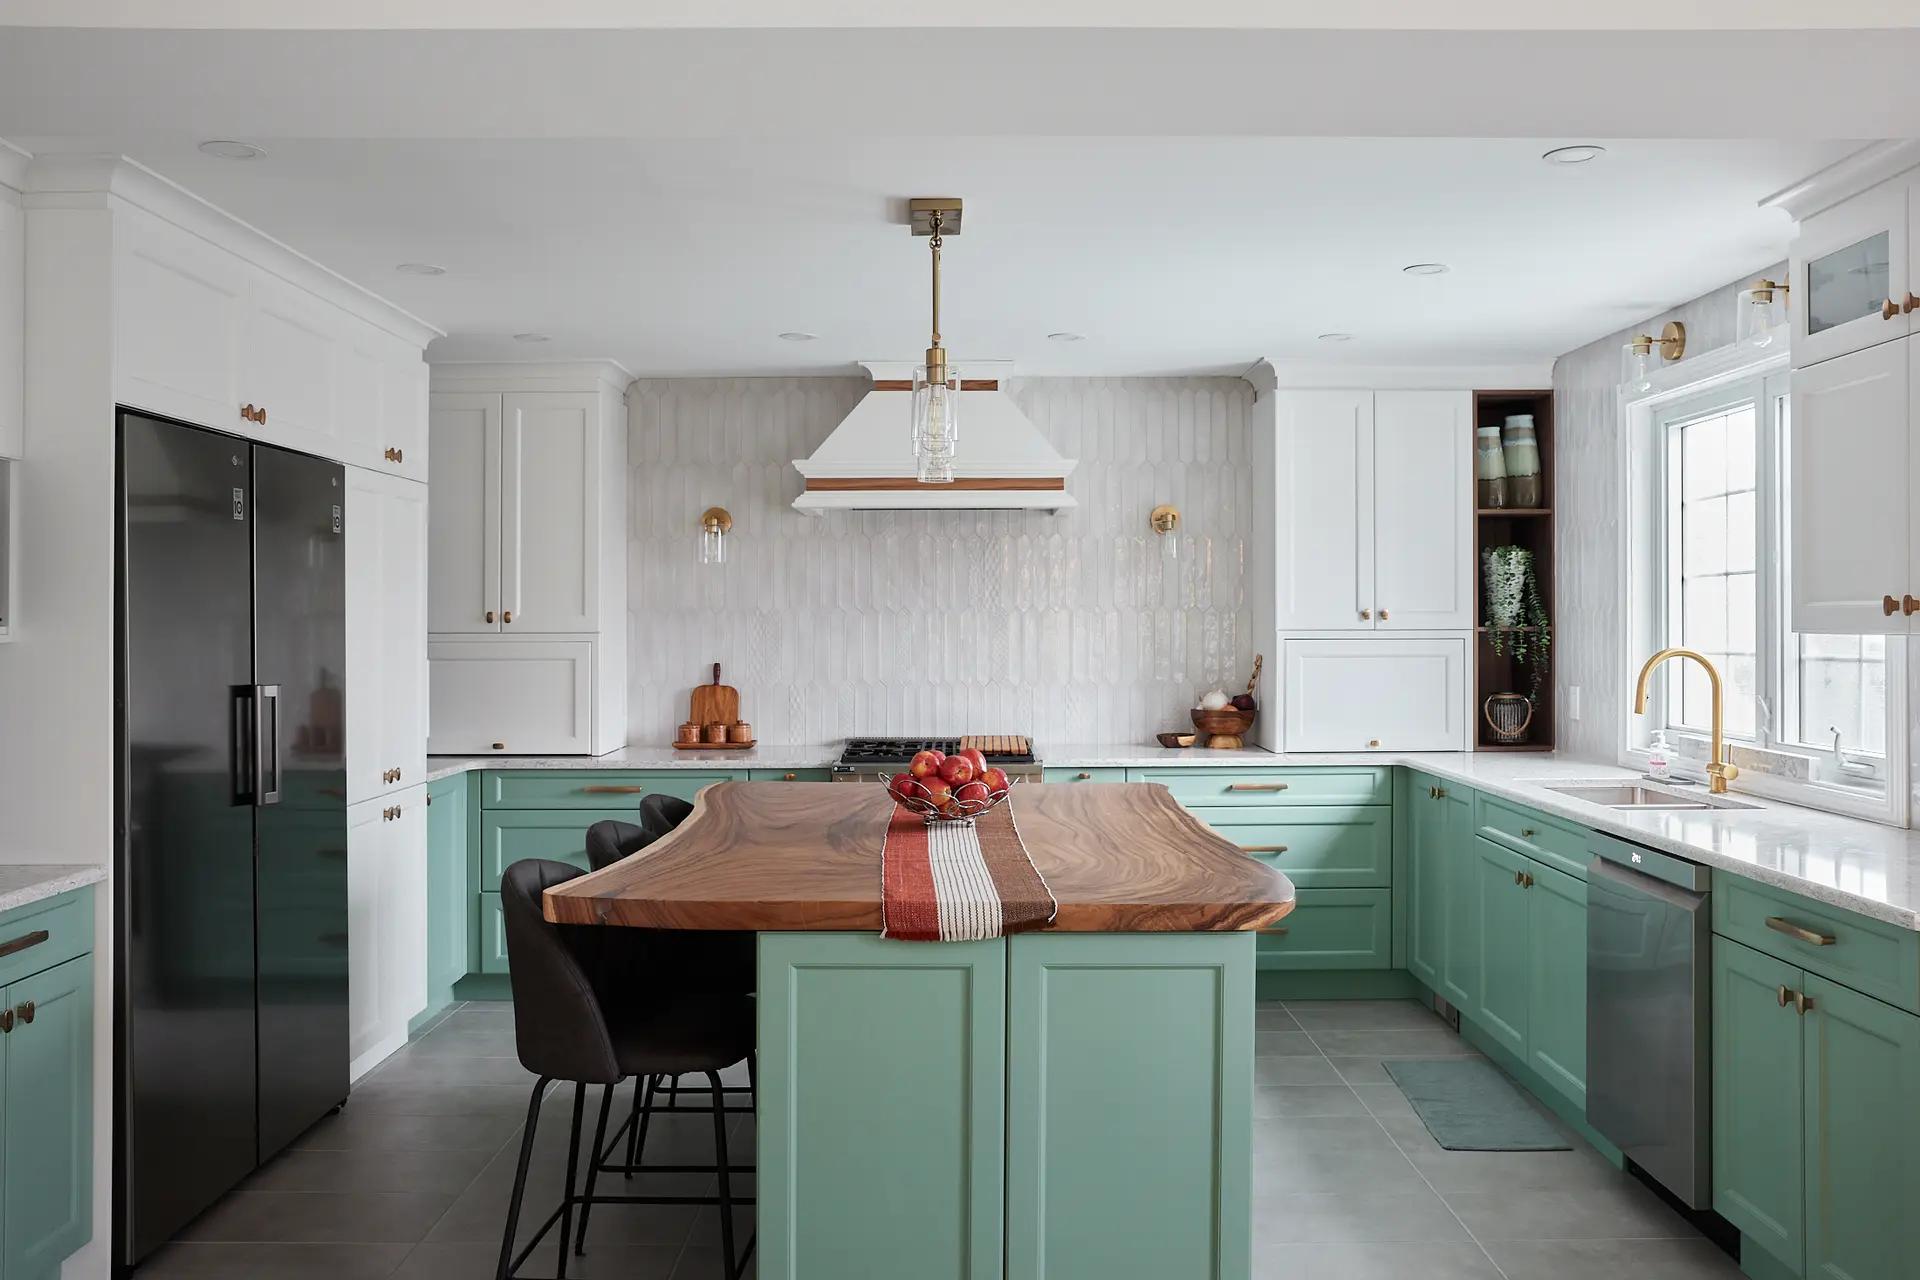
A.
x: 867, y: 463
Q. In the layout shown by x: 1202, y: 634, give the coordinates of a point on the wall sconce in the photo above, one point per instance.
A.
x: 1165, y: 521
x: 1760, y: 310
x: 715, y: 524
x: 1637, y: 356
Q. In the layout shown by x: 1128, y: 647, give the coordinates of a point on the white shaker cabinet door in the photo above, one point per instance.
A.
x: 464, y: 529
x: 290, y: 366
x: 179, y: 305
x: 13, y: 325
x: 1376, y: 693
x: 367, y: 935
x: 386, y: 633
x: 550, y: 512
x: 1849, y: 443
x: 1422, y: 510
x: 524, y: 697
x: 1324, y: 520
x: 1850, y: 271
x: 404, y: 979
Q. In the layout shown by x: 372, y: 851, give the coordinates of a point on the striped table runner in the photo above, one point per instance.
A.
x: 954, y: 882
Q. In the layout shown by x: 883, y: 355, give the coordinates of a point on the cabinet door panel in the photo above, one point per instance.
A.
x: 1758, y: 1140
x: 13, y: 327
x: 1557, y: 967
x: 1423, y: 510
x: 179, y: 305
x: 534, y: 697
x: 1504, y: 988
x: 464, y: 529
x: 1848, y: 447
x: 290, y: 366
x: 1375, y: 694
x: 47, y: 1110
x: 367, y: 941
x: 406, y: 921
x: 1847, y: 262
x: 1863, y: 1135
x: 1324, y: 509
x: 449, y: 889
x: 1437, y: 828
x: 403, y: 630
x: 550, y: 511
x: 1460, y: 948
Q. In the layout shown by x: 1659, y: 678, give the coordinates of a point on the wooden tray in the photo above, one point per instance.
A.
x: 715, y: 746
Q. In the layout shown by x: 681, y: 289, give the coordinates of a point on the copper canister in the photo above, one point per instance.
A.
x: 716, y: 732
x: 740, y: 731
x: 687, y: 732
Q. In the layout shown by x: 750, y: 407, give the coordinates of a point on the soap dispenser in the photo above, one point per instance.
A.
x: 1660, y: 757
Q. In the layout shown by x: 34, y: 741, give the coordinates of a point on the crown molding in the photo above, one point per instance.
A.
x: 532, y: 375
x: 1268, y: 376
x: 99, y: 181
x: 1845, y: 177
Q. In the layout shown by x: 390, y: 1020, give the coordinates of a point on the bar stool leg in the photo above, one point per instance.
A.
x: 643, y: 1115
x: 593, y: 1168
x: 726, y: 1179
x: 504, y: 1270
x: 573, y: 1162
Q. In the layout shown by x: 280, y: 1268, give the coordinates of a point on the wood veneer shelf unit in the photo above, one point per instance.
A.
x: 1529, y: 527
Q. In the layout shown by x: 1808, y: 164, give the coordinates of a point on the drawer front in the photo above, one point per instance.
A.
x: 1221, y: 788
x: 493, y: 934
x: 591, y: 788
x: 788, y: 775
x: 1315, y: 846
x: 1879, y: 959
x: 67, y: 923
x: 1543, y: 839
x: 508, y: 835
x: 1332, y: 929
x: 1070, y: 774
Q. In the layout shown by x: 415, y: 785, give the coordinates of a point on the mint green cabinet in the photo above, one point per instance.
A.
x: 1499, y: 983
x: 449, y: 888
x: 1316, y: 846
x: 1129, y: 1106
x: 882, y: 1087
x: 1758, y: 1151
x: 1556, y: 969
x: 1332, y: 929
x: 1068, y: 774
x: 790, y: 775
x: 1438, y: 828
x: 593, y: 788
x: 46, y: 1112
x: 509, y: 835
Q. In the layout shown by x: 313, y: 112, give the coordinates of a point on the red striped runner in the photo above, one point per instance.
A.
x: 954, y: 882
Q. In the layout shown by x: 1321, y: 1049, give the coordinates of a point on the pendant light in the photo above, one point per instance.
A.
x: 936, y: 384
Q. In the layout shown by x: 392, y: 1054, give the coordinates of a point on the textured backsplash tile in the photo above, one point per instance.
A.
x: 1069, y: 627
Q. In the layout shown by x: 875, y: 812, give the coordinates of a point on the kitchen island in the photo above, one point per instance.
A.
x: 1068, y: 1103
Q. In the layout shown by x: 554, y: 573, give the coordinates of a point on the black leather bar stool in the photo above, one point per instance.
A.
x: 662, y: 813
x: 566, y: 1029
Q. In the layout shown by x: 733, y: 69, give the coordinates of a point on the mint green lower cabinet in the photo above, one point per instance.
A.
x: 509, y: 835
x: 1316, y: 846
x: 1332, y: 929
x: 1758, y: 1139
x: 492, y: 929
x: 1070, y: 774
x: 790, y: 775
x: 882, y: 1084
x: 1557, y: 968
x: 1439, y: 831
x: 1500, y: 986
x: 1862, y: 1066
x: 449, y: 895
x: 46, y: 1120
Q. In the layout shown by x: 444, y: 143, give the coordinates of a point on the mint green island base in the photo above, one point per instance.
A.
x: 1051, y: 1106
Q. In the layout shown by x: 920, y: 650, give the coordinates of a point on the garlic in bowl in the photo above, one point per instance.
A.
x: 1214, y: 700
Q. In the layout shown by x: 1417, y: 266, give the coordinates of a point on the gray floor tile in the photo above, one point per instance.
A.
x: 1321, y: 1133
x: 1384, y: 1101
x: 1500, y: 1170
x: 1273, y: 1017
x: 1370, y: 1068
x: 313, y: 1217
x: 1354, y: 1217
x: 1274, y: 1100
x: 439, y: 1100
x: 418, y: 1065
x: 1371, y: 1262
x: 1301, y: 1070
x: 191, y: 1261
x: 1435, y: 1041
x: 1365, y: 1015
x: 1299, y: 1171
x: 1290, y: 1044
x: 365, y: 1169
x: 475, y: 1261
x: 357, y: 1130
x: 1610, y: 1259
x: 1623, y: 1210
x: 700, y: 1262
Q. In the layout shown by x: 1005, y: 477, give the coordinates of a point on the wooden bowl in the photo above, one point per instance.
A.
x: 1222, y: 729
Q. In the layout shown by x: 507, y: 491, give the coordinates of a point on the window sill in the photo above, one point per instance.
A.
x: 1853, y: 802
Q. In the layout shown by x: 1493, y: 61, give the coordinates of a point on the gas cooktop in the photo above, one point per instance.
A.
x: 1001, y: 750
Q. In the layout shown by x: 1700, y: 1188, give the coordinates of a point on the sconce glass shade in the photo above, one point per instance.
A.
x: 1636, y: 363
x: 936, y: 424
x: 1759, y: 311
x: 715, y: 525
x: 1164, y: 520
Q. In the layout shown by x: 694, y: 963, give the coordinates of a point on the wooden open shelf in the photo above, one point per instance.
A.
x: 1529, y: 527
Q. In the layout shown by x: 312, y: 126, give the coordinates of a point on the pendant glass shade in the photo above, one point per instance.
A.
x: 936, y: 425
x: 1760, y: 310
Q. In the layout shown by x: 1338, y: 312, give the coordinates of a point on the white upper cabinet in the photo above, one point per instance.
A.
x: 1376, y: 694
x: 1852, y: 275
x: 550, y: 511
x: 464, y: 538
x: 290, y: 367
x: 386, y: 633
x: 1850, y: 446
x: 180, y: 307
x: 1422, y: 510
x: 528, y: 697
x: 1323, y: 491
x: 13, y: 343
x: 1374, y: 515
x: 383, y: 404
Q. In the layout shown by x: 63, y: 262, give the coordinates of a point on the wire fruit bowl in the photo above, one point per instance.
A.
x: 917, y: 798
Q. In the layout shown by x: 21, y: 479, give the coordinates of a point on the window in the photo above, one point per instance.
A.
x: 1814, y: 710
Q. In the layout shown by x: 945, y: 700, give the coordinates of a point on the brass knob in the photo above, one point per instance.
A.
x: 1516, y: 877
x: 1383, y: 615
x: 499, y: 746
x: 1911, y: 305
x: 396, y: 455
x: 396, y: 775
x: 1784, y: 996
x: 1366, y: 613
x: 1083, y: 777
x: 1526, y: 879
x: 489, y: 615
x: 1373, y: 742
x: 6, y: 1021
x: 1887, y: 605
x: 27, y: 1011
x: 1889, y: 309
x: 1439, y: 793
x: 1526, y: 833
x: 791, y: 776
x: 507, y: 617
x: 1802, y: 1002
x: 1909, y: 606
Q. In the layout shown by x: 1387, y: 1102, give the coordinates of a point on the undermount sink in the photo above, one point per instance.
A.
x: 1633, y: 795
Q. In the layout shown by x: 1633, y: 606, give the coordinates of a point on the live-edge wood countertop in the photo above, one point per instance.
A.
x: 1124, y: 857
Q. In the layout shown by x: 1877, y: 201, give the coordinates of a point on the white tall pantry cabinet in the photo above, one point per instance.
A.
x: 528, y: 606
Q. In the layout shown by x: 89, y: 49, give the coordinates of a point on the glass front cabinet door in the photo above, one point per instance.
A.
x: 1850, y: 276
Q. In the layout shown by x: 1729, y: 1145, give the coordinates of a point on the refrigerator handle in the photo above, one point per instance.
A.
x: 243, y: 753
x: 266, y: 744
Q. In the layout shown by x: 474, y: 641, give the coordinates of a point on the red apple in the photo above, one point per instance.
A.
x: 902, y: 785
x: 925, y: 764
x: 937, y: 792
x: 957, y: 770
x: 996, y: 779
x: 978, y: 760
x: 973, y: 794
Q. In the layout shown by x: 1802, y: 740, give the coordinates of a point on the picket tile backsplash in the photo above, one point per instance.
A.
x: 1071, y: 627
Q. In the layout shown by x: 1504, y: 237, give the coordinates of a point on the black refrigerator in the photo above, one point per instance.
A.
x: 231, y: 862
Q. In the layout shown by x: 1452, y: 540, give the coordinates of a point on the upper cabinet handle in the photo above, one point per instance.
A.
x: 1784, y: 995
x: 489, y: 615
x: 1909, y: 606
x: 257, y: 416
x: 1887, y: 605
x: 1366, y: 613
x: 27, y: 1011
x: 1383, y: 615
x: 1910, y: 305
x: 396, y: 455
x: 1083, y: 777
x: 1257, y: 786
x: 1809, y: 936
x: 507, y: 616
x: 1889, y: 309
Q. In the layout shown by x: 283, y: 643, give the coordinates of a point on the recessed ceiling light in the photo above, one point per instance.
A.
x: 798, y: 335
x: 1577, y: 154
x: 531, y: 337
x: 230, y: 149
x: 1336, y: 337
x: 420, y: 269
x: 1064, y: 336
x: 1426, y: 269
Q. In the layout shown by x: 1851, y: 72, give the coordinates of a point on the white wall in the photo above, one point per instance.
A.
x: 1066, y: 627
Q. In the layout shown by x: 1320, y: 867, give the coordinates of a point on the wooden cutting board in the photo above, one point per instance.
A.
x: 714, y: 702
x: 1004, y: 744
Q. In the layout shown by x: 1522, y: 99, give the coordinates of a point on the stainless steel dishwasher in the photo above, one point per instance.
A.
x: 1649, y: 955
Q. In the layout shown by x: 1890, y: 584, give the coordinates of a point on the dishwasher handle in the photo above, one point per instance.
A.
x: 1628, y: 880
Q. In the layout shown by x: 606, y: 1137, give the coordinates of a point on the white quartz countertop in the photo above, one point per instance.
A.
x: 1860, y: 866
x: 24, y: 883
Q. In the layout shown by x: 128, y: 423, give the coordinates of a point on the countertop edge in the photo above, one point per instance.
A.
x: 43, y: 880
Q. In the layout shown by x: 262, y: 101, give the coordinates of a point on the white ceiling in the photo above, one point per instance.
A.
x: 1189, y: 200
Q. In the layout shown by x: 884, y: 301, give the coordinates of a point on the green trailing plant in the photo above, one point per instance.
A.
x: 1517, y: 621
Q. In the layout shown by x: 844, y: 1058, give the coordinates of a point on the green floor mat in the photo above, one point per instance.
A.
x: 1467, y: 1104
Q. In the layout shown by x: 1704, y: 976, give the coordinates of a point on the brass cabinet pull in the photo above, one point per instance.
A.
x: 507, y: 617
x: 489, y: 615
x: 1278, y: 931
x: 1257, y: 786
x: 6, y: 1021
x: 1526, y: 833
x: 396, y: 455
x: 1264, y: 848
x: 1910, y: 305
x: 1373, y: 742
x: 1802, y: 1002
x: 1436, y: 793
x: 789, y: 777
x: 608, y: 789
x: 1784, y: 996
x: 14, y: 946
x: 27, y: 1011
x: 1909, y: 606
x: 1383, y: 615
x: 1083, y: 777
x: 1366, y: 614
x: 257, y: 416
x: 1799, y: 932
x: 1887, y: 606
x: 1526, y: 879
x: 499, y: 746
x: 1889, y: 309
x: 1516, y: 877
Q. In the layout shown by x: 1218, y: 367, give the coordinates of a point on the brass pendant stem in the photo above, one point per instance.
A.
x: 936, y: 357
